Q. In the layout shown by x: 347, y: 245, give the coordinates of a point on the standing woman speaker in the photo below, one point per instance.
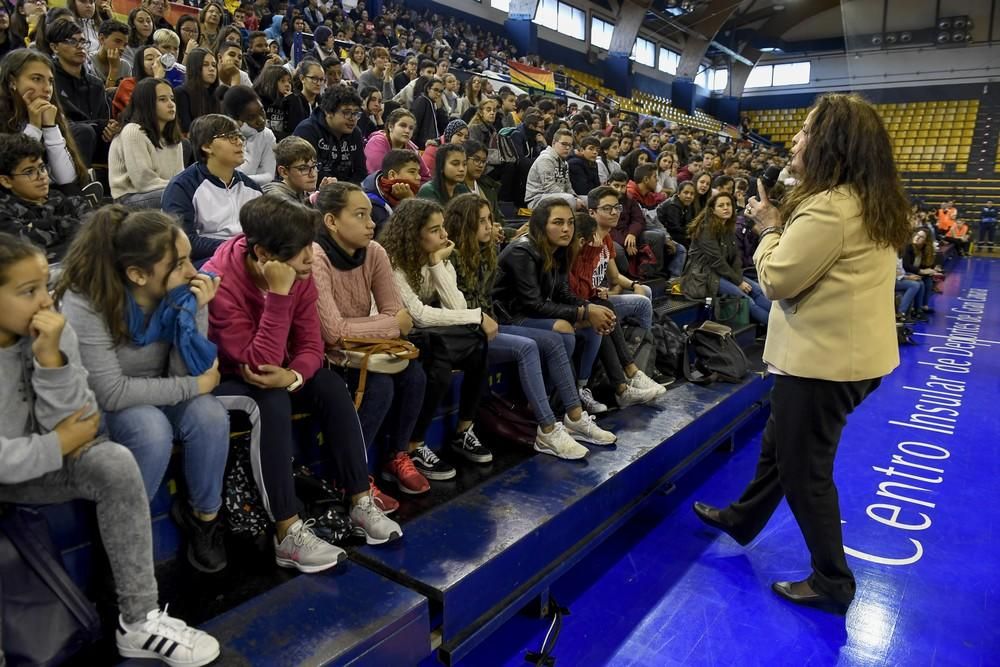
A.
x: 827, y: 260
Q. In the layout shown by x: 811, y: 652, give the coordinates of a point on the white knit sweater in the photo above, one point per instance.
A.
x: 136, y: 166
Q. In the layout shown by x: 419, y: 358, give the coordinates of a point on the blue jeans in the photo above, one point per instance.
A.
x: 676, y: 265
x: 634, y: 306
x: 591, y: 340
x: 529, y: 346
x: 201, y: 425
x: 911, y: 289
x: 760, y: 305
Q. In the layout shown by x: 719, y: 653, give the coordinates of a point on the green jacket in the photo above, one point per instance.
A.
x: 428, y: 191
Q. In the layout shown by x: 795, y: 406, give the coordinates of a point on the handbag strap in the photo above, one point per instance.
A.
x: 401, y: 349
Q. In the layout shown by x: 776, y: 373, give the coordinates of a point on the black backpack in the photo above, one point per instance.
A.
x: 670, y: 345
x: 717, y: 355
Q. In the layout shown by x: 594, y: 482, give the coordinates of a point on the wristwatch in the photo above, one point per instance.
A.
x: 297, y: 383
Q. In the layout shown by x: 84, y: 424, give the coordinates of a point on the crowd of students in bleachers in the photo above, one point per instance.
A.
x: 280, y: 187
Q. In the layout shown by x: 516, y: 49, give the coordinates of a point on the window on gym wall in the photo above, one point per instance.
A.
x: 669, y: 60
x: 702, y: 78
x: 600, y: 33
x: 719, y: 79
x: 644, y: 52
x: 502, y: 5
x: 564, y: 18
x: 785, y: 74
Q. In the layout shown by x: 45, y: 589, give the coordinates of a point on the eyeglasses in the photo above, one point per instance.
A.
x: 479, y: 161
x: 350, y: 113
x: 75, y: 43
x: 315, y: 79
x: 34, y: 173
x: 305, y: 169
x: 437, y: 90
x: 234, y: 137
x: 608, y: 209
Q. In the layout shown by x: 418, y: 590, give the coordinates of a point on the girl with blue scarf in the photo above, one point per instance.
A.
x: 140, y: 310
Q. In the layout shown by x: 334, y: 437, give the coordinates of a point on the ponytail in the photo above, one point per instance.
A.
x: 111, y: 241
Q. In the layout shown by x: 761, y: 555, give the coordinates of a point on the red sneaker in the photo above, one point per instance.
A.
x: 387, y: 504
x: 400, y: 470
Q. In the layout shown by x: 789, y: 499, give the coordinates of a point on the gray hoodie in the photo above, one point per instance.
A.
x: 33, y: 400
x: 549, y: 175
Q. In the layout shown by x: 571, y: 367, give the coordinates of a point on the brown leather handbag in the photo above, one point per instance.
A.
x: 378, y: 355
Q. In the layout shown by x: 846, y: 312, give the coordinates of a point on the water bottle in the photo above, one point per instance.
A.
x: 706, y: 313
x: 174, y: 72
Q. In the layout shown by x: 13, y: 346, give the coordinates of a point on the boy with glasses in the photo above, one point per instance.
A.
x: 549, y: 175
x: 333, y: 131
x: 207, y: 196
x: 297, y: 168
x: 28, y: 207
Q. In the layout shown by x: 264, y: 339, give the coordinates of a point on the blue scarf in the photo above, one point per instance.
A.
x: 173, y: 322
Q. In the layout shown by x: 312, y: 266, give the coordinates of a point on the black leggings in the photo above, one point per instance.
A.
x: 325, y: 395
x: 438, y: 369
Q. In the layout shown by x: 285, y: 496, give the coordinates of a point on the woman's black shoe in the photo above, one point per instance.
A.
x: 206, y: 551
x: 786, y: 590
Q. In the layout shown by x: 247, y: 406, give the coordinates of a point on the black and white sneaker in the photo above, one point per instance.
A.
x: 171, y: 640
x: 430, y: 464
x: 469, y: 446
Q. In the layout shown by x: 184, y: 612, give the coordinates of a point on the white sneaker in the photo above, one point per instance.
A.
x: 378, y: 528
x: 304, y: 551
x: 161, y: 637
x: 634, y: 396
x: 643, y: 381
x: 591, y: 404
x: 558, y: 443
x: 586, y: 430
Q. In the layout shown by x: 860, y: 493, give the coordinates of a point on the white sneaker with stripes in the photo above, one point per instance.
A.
x: 161, y: 637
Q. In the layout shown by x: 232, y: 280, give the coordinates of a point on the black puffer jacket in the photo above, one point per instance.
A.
x: 676, y: 217
x: 524, y: 289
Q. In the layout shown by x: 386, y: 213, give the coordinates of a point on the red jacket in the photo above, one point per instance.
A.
x: 256, y: 328
x: 649, y: 200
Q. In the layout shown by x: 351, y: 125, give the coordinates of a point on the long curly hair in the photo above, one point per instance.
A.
x: 401, y: 238
x: 926, y: 251
x: 717, y: 227
x: 849, y: 146
x: 461, y: 219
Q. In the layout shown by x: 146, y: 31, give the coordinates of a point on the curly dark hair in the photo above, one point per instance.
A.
x: 849, y: 146
x: 461, y: 219
x: 401, y: 238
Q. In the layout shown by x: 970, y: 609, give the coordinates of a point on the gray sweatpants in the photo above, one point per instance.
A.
x: 107, y: 474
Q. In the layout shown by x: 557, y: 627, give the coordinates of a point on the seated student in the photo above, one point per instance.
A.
x: 358, y: 298
x: 29, y: 106
x: 308, y: 81
x: 959, y: 236
x: 456, y: 132
x: 50, y: 452
x: 379, y: 75
x: 110, y: 64
x: 274, y: 88
x: 141, y: 25
x: 398, y: 179
x: 418, y: 248
x: 676, y: 213
x: 333, y: 131
x: 715, y: 266
x: 478, y: 182
x: 548, y: 177
x: 946, y: 216
x: 914, y: 295
x: 242, y: 105
x: 406, y: 94
x: 257, y: 56
x: 583, y: 173
x: 82, y: 95
x: 296, y: 161
x: 670, y: 255
x: 141, y: 315
x: 470, y: 225
x: 449, y: 175
x: 643, y: 188
x: 207, y: 196
x: 199, y: 95
x: 532, y: 290
x: 595, y: 266
x: 229, y: 55
x: 631, y: 223
x: 146, y: 64
x: 426, y: 107
x: 147, y: 153
x: 919, y: 260
x: 28, y: 206
x: 399, y: 128
x: 265, y: 321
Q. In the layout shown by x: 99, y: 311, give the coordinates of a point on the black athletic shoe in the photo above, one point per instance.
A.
x: 469, y: 446
x: 206, y: 548
x: 431, y: 465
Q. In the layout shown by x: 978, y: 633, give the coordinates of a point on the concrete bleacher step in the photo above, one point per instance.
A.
x: 487, y: 553
x: 346, y: 616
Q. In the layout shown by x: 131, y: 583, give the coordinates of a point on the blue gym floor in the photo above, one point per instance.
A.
x: 665, y: 590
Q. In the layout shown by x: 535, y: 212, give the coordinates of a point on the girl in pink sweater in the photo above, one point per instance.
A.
x: 396, y: 135
x: 352, y: 275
